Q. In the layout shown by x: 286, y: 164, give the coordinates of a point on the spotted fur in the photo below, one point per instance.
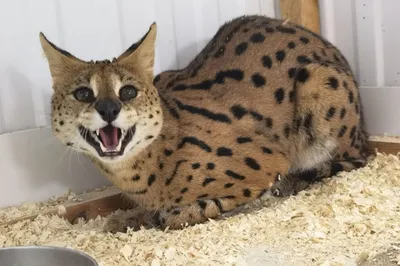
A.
x: 266, y: 104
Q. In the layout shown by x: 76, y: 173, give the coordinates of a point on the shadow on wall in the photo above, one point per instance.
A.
x: 37, y: 166
x: 22, y: 95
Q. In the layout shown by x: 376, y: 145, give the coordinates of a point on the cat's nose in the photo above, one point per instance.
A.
x: 108, y: 109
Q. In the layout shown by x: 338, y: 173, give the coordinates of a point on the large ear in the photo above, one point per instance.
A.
x: 140, y: 56
x: 59, y: 60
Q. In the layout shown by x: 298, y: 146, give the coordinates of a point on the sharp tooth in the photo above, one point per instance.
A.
x: 97, y: 132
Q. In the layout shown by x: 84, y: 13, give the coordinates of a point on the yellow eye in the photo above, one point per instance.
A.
x: 127, y: 93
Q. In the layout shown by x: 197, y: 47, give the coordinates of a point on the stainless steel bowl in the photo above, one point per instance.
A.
x: 44, y: 256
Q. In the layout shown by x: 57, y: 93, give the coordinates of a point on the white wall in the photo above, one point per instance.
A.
x: 34, y: 165
x: 367, y: 33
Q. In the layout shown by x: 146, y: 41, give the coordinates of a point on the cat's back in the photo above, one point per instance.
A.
x: 248, y: 54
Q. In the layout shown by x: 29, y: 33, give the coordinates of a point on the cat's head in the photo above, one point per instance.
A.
x: 107, y: 109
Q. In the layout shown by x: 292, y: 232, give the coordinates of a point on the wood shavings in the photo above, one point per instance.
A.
x: 126, y: 251
x: 55, y: 205
x: 346, y: 220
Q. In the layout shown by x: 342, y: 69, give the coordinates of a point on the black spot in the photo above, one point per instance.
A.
x: 342, y: 131
x: 302, y: 59
x: 345, y: 85
x: 292, y: 72
x: 258, y: 80
x: 266, y: 61
x: 184, y: 190
x: 241, y: 48
x: 156, y: 79
x: 143, y: 191
x: 202, y: 204
x: 331, y: 113
x: 269, y: 30
x: 336, y: 168
x: 302, y: 75
x: 195, y: 166
x: 228, y: 197
x: 219, y: 205
x: 316, y: 57
x: 247, y: 193
x: 276, y: 137
x: 256, y: 116
x: 257, y: 38
x: 218, y: 117
x: 268, y: 122
x: 220, y: 52
x: 304, y: 40
x: 194, y: 141
x: 353, y: 132
x: 336, y: 58
x: 351, y: 97
x: 177, y: 165
x: 346, y: 156
x: 252, y: 163
x: 151, y: 180
x: 291, y: 45
x: 242, y: 140
x: 280, y: 55
x: 235, y: 74
x: 61, y: 123
x: 149, y: 137
x: 177, y: 201
x: 279, y: 95
x: 210, y: 166
x: 287, y: 131
x: 136, y: 178
x: 308, y: 126
x: 204, y: 85
x: 224, y: 151
x: 168, y: 152
x: 285, y: 30
x: 342, y: 113
x: 208, y: 180
x: 69, y: 144
x: 238, y: 111
x: 202, y: 196
x: 333, y: 82
x: 234, y: 175
x: 266, y: 150
x: 228, y: 185
x: 292, y: 95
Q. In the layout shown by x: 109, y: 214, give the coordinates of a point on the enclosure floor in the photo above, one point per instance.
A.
x: 344, y: 221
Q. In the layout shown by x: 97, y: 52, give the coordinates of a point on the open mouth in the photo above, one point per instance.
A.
x: 108, y: 141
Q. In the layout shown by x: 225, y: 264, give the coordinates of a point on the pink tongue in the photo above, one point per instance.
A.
x: 109, y: 137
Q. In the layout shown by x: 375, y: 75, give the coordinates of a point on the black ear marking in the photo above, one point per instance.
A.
x: 63, y: 52
x: 134, y: 46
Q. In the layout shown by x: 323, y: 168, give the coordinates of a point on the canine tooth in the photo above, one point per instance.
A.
x: 97, y: 132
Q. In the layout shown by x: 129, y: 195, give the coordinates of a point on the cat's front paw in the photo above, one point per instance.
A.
x: 289, y: 185
x: 134, y: 219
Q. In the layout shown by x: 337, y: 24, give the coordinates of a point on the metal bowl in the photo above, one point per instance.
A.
x: 44, y: 256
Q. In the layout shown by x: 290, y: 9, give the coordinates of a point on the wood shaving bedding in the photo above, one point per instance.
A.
x: 55, y: 204
x: 343, y: 221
